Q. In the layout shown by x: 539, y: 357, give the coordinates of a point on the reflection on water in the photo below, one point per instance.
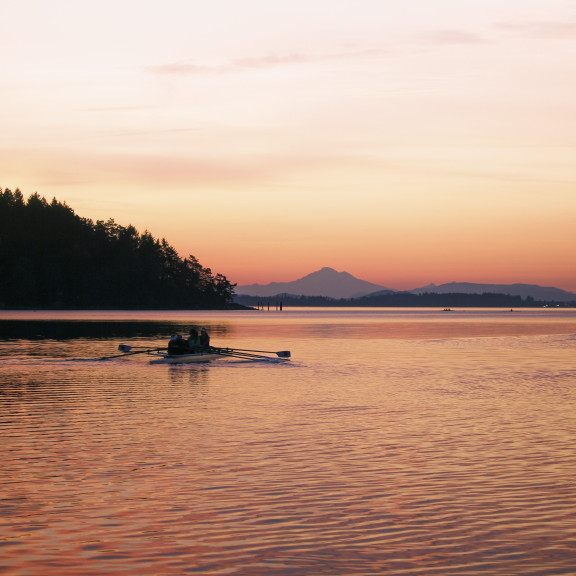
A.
x: 94, y: 329
x: 392, y: 443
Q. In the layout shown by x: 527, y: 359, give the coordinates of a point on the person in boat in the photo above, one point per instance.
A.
x: 193, y: 340
x: 177, y: 345
x: 204, y: 338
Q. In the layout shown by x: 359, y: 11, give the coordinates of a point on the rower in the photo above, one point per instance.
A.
x: 193, y: 340
x: 204, y: 338
x: 177, y: 345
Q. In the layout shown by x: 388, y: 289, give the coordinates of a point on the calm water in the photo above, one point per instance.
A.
x: 394, y: 442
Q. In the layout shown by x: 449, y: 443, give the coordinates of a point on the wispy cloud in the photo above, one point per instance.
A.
x: 450, y: 38
x: 158, y: 131
x: 186, y: 67
x: 271, y: 61
x: 183, y: 68
x: 544, y: 30
x: 113, y: 109
x: 431, y: 39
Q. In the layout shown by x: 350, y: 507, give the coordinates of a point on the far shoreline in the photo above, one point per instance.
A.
x: 232, y: 307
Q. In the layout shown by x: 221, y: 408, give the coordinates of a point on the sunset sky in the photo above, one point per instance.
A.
x: 405, y: 142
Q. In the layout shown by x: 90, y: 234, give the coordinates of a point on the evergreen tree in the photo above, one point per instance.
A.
x: 52, y: 258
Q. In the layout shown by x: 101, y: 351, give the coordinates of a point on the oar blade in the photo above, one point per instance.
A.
x: 283, y: 354
x: 127, y: 351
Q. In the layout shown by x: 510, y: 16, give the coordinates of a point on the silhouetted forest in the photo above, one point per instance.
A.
x: 52, y: 258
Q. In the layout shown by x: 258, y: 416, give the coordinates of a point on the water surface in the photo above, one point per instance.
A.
x: 394, y: 442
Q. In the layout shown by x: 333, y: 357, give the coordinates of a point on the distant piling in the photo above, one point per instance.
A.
x: 261, y: 305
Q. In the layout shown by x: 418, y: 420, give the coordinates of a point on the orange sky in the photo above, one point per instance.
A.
x: 405, y: 143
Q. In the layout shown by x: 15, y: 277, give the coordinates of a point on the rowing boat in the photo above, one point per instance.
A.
x: 206, y: 354
x: 164, y: 358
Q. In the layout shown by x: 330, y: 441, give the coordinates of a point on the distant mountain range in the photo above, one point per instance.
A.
x: 332, y: 284
x: 523, y: 290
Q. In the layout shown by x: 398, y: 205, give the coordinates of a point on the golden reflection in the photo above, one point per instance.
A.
x: 390, y: 443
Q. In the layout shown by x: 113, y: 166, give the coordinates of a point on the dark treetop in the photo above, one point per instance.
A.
x: 52, y: 258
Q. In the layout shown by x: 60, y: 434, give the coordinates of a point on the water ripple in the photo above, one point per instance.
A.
x: 432, y: 457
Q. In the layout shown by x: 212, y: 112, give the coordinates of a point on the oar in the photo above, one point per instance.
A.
x: 210, y: 350
x: 126, y: 348
x: 284, y: 354
x: 231, y: 352
x: 127, y: 352
x: 281, y: 354
x: 242, y: 354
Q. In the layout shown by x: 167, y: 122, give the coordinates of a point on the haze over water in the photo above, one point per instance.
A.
x: 393, y: 442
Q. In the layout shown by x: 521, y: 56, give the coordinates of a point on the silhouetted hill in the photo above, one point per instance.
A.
x: 524, y: 290
x: 52, y: 258
x: 325, y: 282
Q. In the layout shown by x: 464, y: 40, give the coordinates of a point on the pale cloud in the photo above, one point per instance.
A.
x: 268, y: 62
x: 543, y: 30
x: 68, y: 168
x: 113, y: 109
x: 271, y: 61
x: 450, y: 38
x: 155, y: 131
x: 433, y: 39
x: 183, y: 68
x: 186, y: 67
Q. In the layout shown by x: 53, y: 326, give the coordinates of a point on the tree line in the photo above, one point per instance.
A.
x: 52, y: 258
x: 402, y: 299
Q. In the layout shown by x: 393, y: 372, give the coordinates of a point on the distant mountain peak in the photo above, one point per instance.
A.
x: 324, y: 282
x: 329, y: 273
x: 323, y: 272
